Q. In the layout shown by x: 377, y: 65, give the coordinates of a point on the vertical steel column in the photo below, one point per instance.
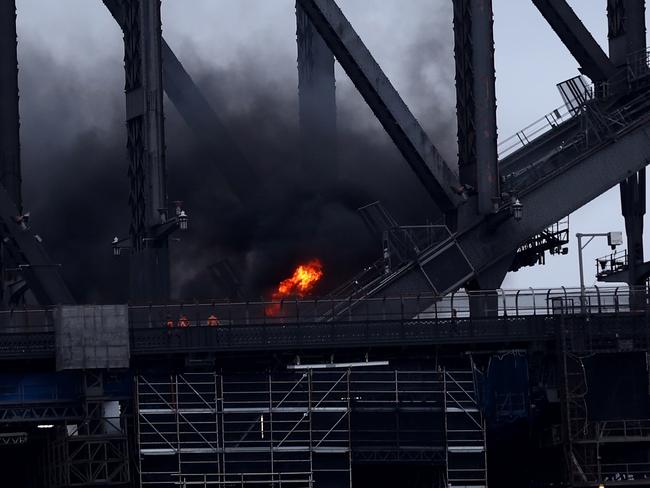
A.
x: 626, y: 33
x: 317, y: 100
x: 627, y: 36
x: 10, y: 173
x: 476, y: 100
x: 146, y: 146
x: 633, y: 206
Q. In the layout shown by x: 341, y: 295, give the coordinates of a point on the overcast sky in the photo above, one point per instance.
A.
x: 81, y: 35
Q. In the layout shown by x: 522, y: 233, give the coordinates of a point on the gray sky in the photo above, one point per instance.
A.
x: 81, y: 35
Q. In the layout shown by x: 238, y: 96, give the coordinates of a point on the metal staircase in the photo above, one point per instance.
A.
x: 565, y: 166
x: 465, y: 432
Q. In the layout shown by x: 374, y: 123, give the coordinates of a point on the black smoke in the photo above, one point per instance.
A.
x: 75, y: 179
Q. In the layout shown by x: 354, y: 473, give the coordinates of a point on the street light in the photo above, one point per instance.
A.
x: 182, y: 220
x: 613, y: 239
x: 517, y: 210
x: 117, y: 250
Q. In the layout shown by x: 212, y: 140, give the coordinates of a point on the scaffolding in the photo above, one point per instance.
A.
x: 204, y: 429
x: 465, y: 432
x: 305, y: 428
x: 95, y: 451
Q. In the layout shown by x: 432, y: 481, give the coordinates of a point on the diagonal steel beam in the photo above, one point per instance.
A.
x: 480, y: 248
x: 199, y: 116
x: 26, y: 251
x: 389, y: 108
x: 578, y: 40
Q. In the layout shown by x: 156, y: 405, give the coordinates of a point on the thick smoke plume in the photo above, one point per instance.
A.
x: 75, y: 173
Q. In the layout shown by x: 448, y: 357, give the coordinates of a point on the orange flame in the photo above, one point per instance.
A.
x: 301, y: 283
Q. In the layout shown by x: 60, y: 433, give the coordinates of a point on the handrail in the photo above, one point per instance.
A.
x: 637, y: 67
x: 501, y: 303
x: 404, y: 307
x: 537, y: 128
x: 510, y: 302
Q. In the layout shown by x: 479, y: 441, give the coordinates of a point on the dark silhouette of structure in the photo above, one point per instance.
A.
x: 420, y: 371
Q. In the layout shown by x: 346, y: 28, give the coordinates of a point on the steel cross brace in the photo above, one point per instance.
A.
x: 27, y: 253
x: 382, y: 98
x: 578, y: 40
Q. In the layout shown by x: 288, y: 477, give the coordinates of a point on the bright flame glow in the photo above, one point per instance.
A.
x: 301, y: 283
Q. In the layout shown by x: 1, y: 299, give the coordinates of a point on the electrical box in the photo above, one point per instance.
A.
x: 614, y: 239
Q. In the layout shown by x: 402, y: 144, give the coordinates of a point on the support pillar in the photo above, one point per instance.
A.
x: 627, y: 36
x: 476, y: 101
x: 149, y: 268
x: 626, y: 29
x: 10, y: 172
x: 633, y: 205
x: 317, y: 99
x: 483, y: 296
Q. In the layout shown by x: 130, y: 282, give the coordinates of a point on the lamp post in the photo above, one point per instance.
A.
x: 613, y: 239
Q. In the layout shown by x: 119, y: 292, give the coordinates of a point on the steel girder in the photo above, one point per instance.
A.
x: 484, y: 245
x: 476, y: 101
x: 626, y: 29
x: 149, y: 267
x: 317, y: 103
x: 626, y: 24
x: 21, y: 248
x: 437, y: 177
x: 10, y: 171
x: 210, y: 131
x: 48, y: 413
x: 25, y: 250
x: 633, y: 205
x: 578, y: 40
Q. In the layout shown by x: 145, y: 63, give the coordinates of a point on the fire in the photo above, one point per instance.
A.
x: 301, y: 283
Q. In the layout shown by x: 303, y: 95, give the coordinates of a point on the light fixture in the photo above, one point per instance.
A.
x: 296, y: 367
x: 614, y: 239
x: 45, y: 426
x: 116, y: 246
x: 517, y: 209
x: 183, y: 220
x: 602, y: 263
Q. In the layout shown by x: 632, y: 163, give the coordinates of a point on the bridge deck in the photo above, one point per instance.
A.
x: 603, y: 321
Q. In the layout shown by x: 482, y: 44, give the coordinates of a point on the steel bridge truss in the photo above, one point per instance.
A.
x: 94, y: 451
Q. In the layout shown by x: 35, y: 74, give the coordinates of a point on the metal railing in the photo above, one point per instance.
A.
x: 624, y: 429
x: 16, y: 325
x: 611, y: 264
x: 407, y: 242
x: 534, y: 130
x: 424, y: 306
x: 637, y: 65
x: 637, y: 68
x: 239, y: 480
